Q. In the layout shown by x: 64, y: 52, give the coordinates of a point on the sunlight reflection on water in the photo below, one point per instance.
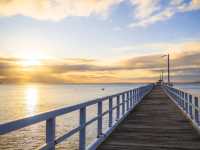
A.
x: 24, y: 100
x: 31, y: 97
x: 19, y: 101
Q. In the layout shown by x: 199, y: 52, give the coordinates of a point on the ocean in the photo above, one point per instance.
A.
x: 18, y: 101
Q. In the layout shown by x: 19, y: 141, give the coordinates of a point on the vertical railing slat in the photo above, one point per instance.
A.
x: 50, y: 133
x: 196, y: 102
x: 136, y: 95
x: 99, y: 121
x: 123, y: 104
x: 190, y: 106
x: 118, y: 108
x: 186, y: 103
x: 110, y: 112
x: 182, y: 102
x: 135, y: 99
x: 127, y: 101
x: 131, y: 98
x: 82, y: 135
x: 178, y: 98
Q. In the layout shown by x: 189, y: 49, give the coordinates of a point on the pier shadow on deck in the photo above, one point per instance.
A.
x: 155, y: 124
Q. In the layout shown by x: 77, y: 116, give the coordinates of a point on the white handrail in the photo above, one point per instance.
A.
x: 188, y: 103
x: 125, y: 100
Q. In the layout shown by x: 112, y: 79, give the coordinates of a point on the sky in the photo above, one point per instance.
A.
x: 98, y: 41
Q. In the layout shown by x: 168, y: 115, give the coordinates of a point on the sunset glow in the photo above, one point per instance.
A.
x: 98, y: 41
x: 30, y: 62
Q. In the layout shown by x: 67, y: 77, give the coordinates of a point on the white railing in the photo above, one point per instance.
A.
x: 125, y: 102
x: 187, y: 103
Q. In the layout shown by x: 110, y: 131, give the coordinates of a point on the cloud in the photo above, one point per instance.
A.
x: 176, y: 49
x: 145, y: 12
x: 185, y: 67
x: 55, y: 9
x: 162, y: 16
x: 145, y: 8
x: 193, y: 5
x: 151, y: 11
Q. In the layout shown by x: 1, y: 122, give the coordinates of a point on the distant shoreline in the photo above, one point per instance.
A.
x: 116, y: 83
x: 67, y: 83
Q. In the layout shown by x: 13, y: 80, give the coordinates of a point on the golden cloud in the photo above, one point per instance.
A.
x: 148, y: 12
x: 55, y: 9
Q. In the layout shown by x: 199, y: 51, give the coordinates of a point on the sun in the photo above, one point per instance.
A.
x: 30, y: 62
x: 31, y: 59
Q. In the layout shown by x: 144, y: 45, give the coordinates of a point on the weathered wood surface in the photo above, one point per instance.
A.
x: 155, y: 124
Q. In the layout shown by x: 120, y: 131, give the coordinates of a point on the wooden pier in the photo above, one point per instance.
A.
x: 156, y: 123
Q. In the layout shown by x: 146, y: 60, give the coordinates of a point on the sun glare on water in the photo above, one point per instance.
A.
x: 31, y: 97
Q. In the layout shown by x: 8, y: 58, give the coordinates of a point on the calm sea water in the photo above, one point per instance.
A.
x: 18, y: 101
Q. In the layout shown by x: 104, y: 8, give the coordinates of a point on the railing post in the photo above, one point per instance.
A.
x: 190, y: 106
x: 110, y: 112
x: 179, y: 97
x: 82, y: 136
x: 179, y: 93
x: 196, y: 102
x: 50, y: 133
x: 137, y: 99
x: 186, y: 103
x: 99, y: 121
x: 142, y: 92
x: 118, y: 108
x: 178, y: 100
x: 173, y: 91
x: 131, y: 98
x: 183, y: 100
x: 127, y: 101
x: 123, y: 103
x: 135, y: 96
x: 139, y: 92
x: 174, y: 94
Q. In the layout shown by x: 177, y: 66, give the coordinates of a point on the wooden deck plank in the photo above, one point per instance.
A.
x: 155, y: 124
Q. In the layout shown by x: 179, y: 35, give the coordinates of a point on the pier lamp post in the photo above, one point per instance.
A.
x: 168, y: 67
